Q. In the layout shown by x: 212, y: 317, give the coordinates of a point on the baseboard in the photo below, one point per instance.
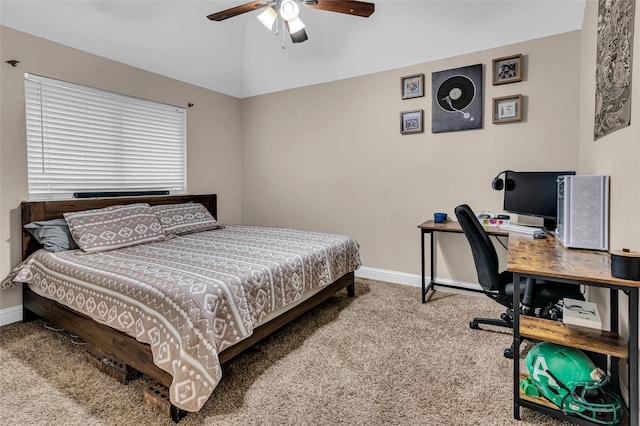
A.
x: 389, y: 276
x: 413, y: 280
x: 10, y: 315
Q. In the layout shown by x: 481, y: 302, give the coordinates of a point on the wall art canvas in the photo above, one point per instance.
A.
x: 456, y: 99
x: 613, y: 66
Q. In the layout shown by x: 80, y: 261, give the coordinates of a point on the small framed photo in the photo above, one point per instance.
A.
x: 411, y: 121
x: 507, y: 109
x: 412, y: 86
x: 507, y: 69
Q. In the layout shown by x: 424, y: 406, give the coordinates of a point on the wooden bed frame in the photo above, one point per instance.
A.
x: 121, y: 346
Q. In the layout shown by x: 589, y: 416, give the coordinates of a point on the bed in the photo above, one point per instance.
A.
x: 172, y: 308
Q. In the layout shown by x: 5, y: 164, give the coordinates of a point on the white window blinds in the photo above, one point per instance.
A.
x: 81, y: 139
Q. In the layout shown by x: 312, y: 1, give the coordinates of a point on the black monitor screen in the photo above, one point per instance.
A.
x: 532, y: 193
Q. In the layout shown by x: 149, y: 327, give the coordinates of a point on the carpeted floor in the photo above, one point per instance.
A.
x: 381, y: 358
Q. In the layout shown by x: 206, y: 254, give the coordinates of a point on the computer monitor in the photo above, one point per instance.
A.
x: 533, y: 194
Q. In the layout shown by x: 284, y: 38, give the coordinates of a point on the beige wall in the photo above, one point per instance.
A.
x: 331, y: 156
x: 615, y: 155
x: 214, y: 129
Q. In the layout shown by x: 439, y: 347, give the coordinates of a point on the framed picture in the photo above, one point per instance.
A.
x: 507, y: 69
x: 411, y: 121
x: 412, y: 86
x: 507, y: 108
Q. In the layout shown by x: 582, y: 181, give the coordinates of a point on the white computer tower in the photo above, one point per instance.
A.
x: 583, y: 212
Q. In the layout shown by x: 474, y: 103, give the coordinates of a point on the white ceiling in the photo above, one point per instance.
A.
x: 239, y: 57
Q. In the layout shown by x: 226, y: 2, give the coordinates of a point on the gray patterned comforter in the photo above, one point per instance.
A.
x: 192, y: 296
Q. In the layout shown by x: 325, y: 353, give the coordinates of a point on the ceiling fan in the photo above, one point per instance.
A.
x: 288, y: 10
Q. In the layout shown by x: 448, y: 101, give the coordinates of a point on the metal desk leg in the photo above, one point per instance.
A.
x: 432, y: 281
x: 424, y: 299
x: 633, y: 356
x: 426, y: 287
x: 614, y: 361
x: 516, y: 347
x: 613, y: 305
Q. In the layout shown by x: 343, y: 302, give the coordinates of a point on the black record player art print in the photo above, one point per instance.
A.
x: 456, y: 99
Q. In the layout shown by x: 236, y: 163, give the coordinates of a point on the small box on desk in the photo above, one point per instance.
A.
x: 582, y: 313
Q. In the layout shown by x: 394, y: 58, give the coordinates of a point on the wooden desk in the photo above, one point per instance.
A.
x: 430, y: 227
x: 547, y: 258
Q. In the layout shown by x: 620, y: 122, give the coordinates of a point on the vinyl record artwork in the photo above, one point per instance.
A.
x: 456, y: 99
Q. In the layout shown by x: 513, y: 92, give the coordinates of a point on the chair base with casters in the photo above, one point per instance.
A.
x: 506, y: 320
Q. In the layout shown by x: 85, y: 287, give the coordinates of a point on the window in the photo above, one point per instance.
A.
x: 81, y: 139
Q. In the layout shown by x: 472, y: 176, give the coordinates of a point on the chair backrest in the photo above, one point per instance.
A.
x: 484, y: 253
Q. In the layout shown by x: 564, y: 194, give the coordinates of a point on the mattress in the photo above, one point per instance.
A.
x: 192, y: 296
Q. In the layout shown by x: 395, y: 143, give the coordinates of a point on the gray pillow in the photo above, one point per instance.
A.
x: 54, y: 235
x: 114, y: 227
x: 185, y: 218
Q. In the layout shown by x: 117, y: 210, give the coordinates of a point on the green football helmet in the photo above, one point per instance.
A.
x: 569, y: 379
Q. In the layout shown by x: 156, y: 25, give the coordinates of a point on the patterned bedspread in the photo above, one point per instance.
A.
x: 192, y: 296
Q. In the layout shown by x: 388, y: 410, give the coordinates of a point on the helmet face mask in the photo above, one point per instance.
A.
x: 569, y: 379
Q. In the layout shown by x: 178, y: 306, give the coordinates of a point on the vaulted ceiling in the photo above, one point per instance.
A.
x: 241, y: 58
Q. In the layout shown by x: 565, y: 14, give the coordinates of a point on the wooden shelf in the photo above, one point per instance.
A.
x: 589, y: 339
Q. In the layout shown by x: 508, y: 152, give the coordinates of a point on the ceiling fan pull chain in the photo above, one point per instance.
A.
x: 279, y: 18
x: 279, y: 22
x: 283, y: 41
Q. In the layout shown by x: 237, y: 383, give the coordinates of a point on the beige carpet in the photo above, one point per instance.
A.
x: 381, y: 358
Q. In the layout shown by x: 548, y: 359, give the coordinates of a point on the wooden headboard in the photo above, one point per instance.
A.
x: 33, y: 211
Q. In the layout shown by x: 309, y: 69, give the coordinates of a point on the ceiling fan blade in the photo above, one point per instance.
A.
x: 238, y: 10
x: 350, y: 7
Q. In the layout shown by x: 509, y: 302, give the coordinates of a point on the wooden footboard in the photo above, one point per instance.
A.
x: 138, y: 355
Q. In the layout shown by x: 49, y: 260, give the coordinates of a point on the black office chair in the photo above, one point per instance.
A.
x: 537, y: 298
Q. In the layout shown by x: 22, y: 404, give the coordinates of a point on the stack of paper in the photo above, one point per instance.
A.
x: 580, y: 312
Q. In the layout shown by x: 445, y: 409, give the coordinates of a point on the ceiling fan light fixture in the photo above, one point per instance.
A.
x: 289, y: 10
x: 295, y: 25
x: 299, y: 37
x: 268, y: 17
